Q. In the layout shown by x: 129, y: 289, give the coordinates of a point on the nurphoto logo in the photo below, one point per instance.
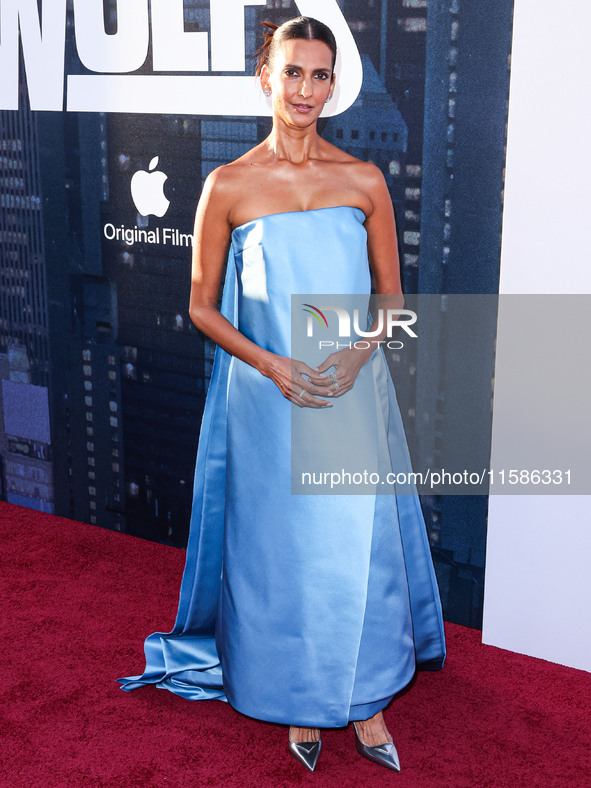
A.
x: 390, y: 318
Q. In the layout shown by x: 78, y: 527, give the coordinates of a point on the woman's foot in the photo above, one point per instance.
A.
x: 384, y: 754
x: 305, y: 745
x: 373, y: 731
x: 303, y: 734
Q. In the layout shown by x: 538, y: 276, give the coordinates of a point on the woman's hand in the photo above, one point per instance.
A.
x: 288, y: 375
x: 347, y: 363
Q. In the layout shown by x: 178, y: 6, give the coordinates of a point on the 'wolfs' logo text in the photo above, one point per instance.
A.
x: 113, y: 87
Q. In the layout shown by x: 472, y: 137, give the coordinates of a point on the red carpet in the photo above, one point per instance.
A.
x: 79, y: 601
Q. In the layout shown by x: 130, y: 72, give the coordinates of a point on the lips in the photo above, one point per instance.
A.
x: 304, y: 108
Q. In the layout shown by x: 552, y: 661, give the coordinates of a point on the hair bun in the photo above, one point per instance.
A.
x: 303, y: 27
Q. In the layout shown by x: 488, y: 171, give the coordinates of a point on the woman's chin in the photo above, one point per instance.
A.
x: 301, y: 120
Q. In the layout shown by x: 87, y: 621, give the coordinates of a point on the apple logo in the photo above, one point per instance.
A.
x: 147, y: 191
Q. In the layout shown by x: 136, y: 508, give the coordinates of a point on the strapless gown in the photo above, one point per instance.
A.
x: 305, y: 609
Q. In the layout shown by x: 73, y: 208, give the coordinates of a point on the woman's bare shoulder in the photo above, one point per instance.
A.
x: 366, y: 173
x: 363, y: 172
x: 358, y: 175
x: 339, y: 156
x: 224, y: 178
x: 227, y: 181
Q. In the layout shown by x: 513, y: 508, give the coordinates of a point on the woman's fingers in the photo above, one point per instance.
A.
x: 328, y: 362
x: 321, y: 387
x: 302, y: 397
x: 308, y: 391
x: 303, y: 392
x: 307, y: 400
x: 316, y: 378
x: 345, y: 364
x: 332, y: 384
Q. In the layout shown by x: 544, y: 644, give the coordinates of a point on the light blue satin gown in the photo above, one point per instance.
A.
x: 309, y: 610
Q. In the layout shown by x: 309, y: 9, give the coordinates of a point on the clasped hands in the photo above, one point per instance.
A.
x: 288, y: 375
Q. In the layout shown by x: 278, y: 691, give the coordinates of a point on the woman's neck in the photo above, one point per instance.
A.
x: 293, y: 144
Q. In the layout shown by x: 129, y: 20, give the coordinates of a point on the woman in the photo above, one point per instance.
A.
x: 307, y: 610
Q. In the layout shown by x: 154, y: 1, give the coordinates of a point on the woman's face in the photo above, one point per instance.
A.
x: 300, y: 80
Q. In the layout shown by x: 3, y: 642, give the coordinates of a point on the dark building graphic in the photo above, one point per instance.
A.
x: 103, y: 376
x: 54, y: 178
x: 162, y: 357
x: 165, y: 361
x: 393, y: 34
x: 27, y: 468
x: 466, y: 94
x: 94, y: 410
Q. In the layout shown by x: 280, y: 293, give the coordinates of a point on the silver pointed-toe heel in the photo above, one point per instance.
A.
x: 306, y: 752
x: 384, y: 754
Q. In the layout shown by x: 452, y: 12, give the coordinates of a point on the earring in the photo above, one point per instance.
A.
x: 328, y: 99
x: 266, y: 92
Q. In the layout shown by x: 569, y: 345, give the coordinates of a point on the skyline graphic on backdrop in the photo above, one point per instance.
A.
x: 104, y: 377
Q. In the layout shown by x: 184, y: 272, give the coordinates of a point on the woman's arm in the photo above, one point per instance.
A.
x: 382, y: 247
x: 211, y: 238
x: 381, y: 236
x: 210, y: 245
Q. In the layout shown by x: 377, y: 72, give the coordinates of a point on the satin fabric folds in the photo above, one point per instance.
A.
x: 308, y: 610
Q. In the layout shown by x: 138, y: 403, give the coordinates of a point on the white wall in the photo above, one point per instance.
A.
x: 537, y: 583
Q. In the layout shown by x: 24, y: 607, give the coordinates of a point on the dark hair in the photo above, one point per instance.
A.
x: 301, y: 27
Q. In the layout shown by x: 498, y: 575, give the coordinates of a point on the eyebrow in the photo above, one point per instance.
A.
x: 294, y: 65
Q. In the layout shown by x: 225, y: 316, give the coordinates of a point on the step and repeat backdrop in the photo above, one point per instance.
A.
x: 112, y: 114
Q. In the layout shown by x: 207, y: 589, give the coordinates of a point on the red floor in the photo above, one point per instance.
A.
x: 78, y: 603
